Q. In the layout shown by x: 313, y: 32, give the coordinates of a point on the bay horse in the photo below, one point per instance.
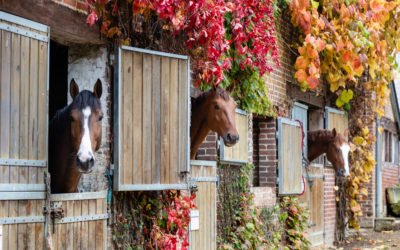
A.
x: 214, y: 110
x: 334, y: 145
x: 74, y: 136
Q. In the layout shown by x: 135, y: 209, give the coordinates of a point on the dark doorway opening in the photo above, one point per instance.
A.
x: 58, y: 77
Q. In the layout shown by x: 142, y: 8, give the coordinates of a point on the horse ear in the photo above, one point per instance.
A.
x: 73, y: 89
x: 334, y: 132
x: 98, y: 89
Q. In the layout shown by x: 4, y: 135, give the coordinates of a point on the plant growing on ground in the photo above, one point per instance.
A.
x: 151, y: 220
x: 273, y: 224
x: 295, y: 223
x: 242, y: 228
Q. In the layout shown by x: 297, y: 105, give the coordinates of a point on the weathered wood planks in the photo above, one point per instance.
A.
x: 153, y: 120
x: 23, y: 105
x: 289, y: 157
x: 206, y: 202
x: 239, y: 152
x: 23, y: 131
x: 87, y: 233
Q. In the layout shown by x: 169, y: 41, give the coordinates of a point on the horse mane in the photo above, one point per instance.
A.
x: 203, y: 96
x: 320, y: 135
x: 59, y: 121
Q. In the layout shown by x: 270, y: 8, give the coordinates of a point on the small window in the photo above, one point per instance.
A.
x: 388, y: 147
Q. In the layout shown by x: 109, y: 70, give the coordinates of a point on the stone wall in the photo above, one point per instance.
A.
x: 86, y: 65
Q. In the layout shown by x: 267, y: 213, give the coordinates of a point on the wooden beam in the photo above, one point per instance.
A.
x: 309, y: 97
x: 66, y: 25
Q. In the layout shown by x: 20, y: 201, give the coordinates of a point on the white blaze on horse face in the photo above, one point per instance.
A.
x: 345, y: 148
x: 85, y: 152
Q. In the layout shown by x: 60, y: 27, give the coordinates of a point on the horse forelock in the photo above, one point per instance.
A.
x: 85, y: 99
x: 222, y: 93
x: 205, y: 95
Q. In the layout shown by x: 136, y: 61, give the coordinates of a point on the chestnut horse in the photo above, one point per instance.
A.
x: 213, y: 110
x: 74, y: 136
x: 334, y: 145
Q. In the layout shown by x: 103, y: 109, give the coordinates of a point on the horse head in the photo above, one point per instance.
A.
x: 338, y: 152
x: 85, y: 117
x: 334, y: 145
x: 214, y: 110
x: 220, y: 109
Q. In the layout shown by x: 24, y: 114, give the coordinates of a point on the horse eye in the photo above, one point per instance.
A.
x: 216, y: 107
x: 100, y: 118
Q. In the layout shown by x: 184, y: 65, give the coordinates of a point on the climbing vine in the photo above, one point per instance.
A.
x: 151, y: 220
x: 350, y: 45
x: 222, y: 37
x: 239, y: 225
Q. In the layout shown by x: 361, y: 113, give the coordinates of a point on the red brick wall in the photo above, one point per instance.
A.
x: 390, y: 178
x: 267, y: 153
x: 282, y: 75
x: 329, y: 205
x: 208, y: 150
x: 78, y: 5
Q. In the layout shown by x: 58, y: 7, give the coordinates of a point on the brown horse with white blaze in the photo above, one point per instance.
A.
x: 74, y: 136
x: 214, y: 110
x: 334, y: 145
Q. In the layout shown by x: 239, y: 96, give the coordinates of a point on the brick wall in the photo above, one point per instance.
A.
x: 267, y: 153
x: 277, y: 81
x: 264, y: 196
x: 208, y: 150
x: 86, y: 65
x: 78, y: 5
x: 390, y: 178
x: 329, y: 206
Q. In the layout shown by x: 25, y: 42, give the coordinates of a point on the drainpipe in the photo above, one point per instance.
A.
x: 378, y: 177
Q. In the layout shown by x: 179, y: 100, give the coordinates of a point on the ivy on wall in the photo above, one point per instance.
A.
x: 226, y: 40
x: 350, y: 45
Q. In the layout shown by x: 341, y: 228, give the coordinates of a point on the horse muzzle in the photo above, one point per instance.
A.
x: 342, y: 173
x: 230, y: 139
x: 86, y: 166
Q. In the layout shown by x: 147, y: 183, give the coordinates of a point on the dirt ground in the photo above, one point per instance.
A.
x: 367, y: 239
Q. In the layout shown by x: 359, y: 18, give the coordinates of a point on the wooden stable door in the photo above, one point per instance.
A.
x: 313, y: 175
x: 152, y: 113
x: 24, y: 47
x: 203, y: 227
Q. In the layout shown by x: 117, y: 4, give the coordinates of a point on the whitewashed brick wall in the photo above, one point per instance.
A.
x: 86, y: 65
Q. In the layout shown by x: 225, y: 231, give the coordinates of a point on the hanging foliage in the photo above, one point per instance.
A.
x: 217, y: 34
x: 202, y: 23
x: 342, y: 41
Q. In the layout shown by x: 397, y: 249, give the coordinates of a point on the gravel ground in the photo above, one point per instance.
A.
x: 367, y: 239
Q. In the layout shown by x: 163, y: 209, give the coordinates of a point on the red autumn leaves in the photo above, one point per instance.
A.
x: 204, y: 24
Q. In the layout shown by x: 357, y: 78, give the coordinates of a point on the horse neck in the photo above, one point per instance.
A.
x: 198, y: 128
x: 64, y: 173
x: 316, y: 148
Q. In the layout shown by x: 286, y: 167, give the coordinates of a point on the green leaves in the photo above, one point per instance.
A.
x: 344, y: 98
x: 249, y: 90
